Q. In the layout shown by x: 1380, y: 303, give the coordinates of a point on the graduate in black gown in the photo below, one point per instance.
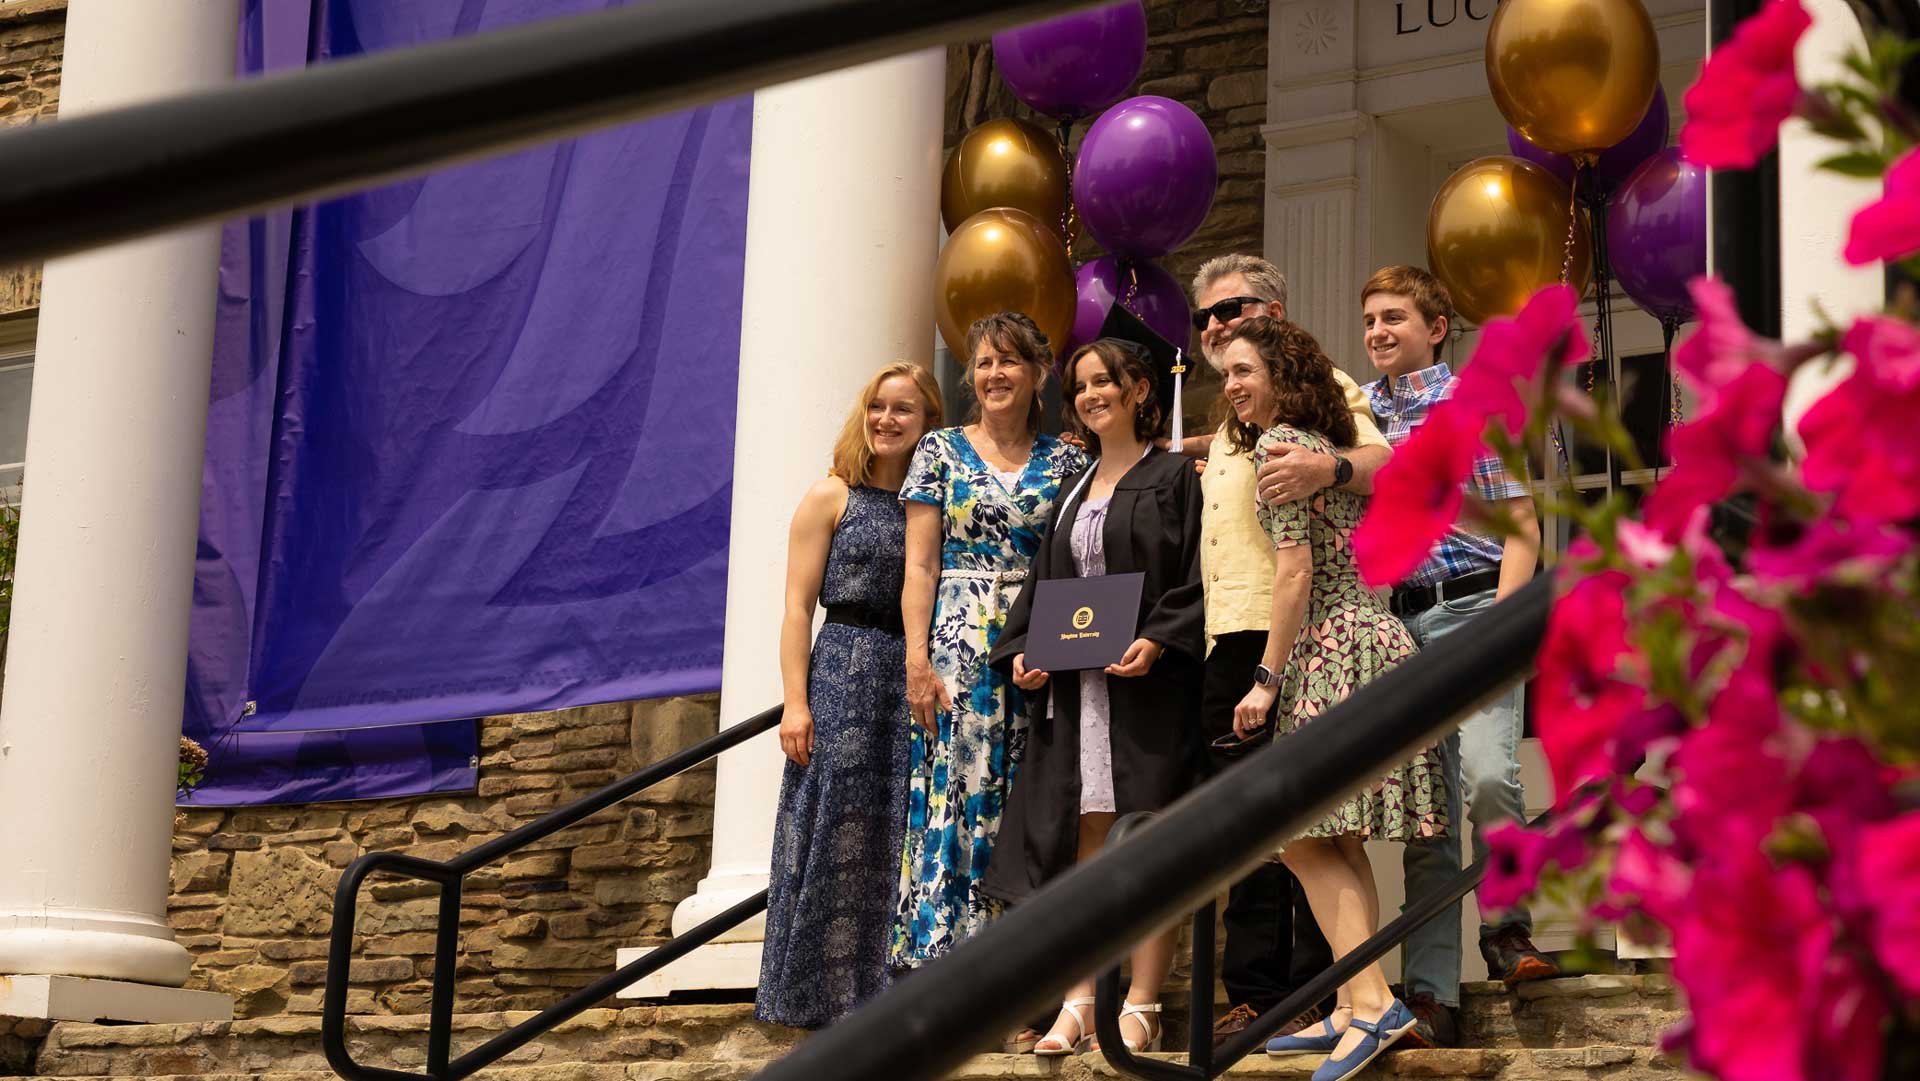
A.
x: 1104, y: 743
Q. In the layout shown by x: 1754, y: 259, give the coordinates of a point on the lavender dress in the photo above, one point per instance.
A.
x: 1096, y: 745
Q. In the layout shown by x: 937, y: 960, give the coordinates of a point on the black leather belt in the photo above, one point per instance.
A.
x: 879, y: 619
x: 1412, y: 600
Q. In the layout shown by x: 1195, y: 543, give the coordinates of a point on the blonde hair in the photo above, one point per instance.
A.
x: 853, y: 451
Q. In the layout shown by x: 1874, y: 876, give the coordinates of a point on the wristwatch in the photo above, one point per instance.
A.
x: 1263, y: 676
x: 1342, y: 471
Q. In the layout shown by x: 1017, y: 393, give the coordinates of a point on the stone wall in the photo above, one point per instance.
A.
x: 1208, y: 54
x: 30, y: 37
x: 252, y: 888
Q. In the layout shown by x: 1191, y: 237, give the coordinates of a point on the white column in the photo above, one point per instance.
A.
x: 842, y: 234
x: 97, y: 662
x: 1813, y: 277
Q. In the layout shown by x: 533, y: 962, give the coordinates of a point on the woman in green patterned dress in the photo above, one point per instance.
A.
x: 1329, y: 635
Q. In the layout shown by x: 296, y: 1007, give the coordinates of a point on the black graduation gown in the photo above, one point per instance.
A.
x: 1152, y: 526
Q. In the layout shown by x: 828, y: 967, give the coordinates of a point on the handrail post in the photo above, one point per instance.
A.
x: 1200, y: 994
x: 446, y: 951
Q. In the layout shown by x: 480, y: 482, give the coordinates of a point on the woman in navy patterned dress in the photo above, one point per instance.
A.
x: 836, y: 842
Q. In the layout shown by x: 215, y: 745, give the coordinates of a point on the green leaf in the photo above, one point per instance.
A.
x: 1861, y: 163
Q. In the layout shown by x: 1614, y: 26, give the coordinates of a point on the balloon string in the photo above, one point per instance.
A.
x: 1069, y: 217
x: 1566, y: 258
x: 1669, y: 327
x: 1566, y: 278
x: 1133, y: 287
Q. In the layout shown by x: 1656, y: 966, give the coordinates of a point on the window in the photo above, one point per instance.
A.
x: 16, y: 388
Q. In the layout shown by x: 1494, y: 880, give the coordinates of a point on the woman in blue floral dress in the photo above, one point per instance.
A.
x: 977, y: 500
x: 843, y: 801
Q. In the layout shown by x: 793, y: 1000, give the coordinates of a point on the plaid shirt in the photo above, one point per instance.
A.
x: 1401, y: 404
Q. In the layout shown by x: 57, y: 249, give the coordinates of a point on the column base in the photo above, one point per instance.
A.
x: 76, y: 998
x: 717, y: 966
x: 93, y: 944
x: 715, y: 894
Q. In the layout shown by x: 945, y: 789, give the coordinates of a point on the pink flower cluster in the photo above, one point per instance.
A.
x: 1783, y: 870
x: 1746, y: 90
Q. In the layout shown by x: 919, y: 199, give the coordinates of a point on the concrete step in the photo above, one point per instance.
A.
x: 1581, y: 1011
x: 292, y: 1043
x: 1599, y: 1063
x: 1541, y: 1027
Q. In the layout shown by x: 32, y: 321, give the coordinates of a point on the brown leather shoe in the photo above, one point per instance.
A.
x: 1511, y: 957
x: 1238, y: 1018
x: 1234, y: 1023
x: 1432, y: 1025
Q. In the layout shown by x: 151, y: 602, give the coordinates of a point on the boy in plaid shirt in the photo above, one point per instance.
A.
x: 1407, y: 313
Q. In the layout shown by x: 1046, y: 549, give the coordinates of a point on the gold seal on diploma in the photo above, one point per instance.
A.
x: 1082, y: 618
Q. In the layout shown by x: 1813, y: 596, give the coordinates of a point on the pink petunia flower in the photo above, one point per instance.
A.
x: 1650, y: 879
x: 1887, y: 349
x: 1859, y: 436
x: 1731, y: 787
x: 1516, y: 855
x: 1584, y: 696
x: 1746, y: 90
x: 1417, y: 496
x: 1516, y: 352
x: 1707, y: 452
x: 1750, y: 952
x: 1888, y: 874
x: 1721, y: 347
x: 1831, y: 550
x: 1844, y: 790
x: 1846, y: 1021
x: 1889, y: 228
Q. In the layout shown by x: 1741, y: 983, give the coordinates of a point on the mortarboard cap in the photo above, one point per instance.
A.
x: 1169, y: 361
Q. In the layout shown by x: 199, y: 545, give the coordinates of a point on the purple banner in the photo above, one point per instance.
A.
x: 470, y: 443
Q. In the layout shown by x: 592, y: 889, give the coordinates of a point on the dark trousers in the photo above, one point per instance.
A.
x: 1273, y: 945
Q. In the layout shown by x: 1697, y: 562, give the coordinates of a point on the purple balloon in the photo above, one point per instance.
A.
x: 1618, y: 161
x: 1657, y: 233
x: 1075, y: 65
x: 1158, y: 301
x: 1145, y: 177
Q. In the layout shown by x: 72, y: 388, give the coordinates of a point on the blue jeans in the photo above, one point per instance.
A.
x: 1481, y: 760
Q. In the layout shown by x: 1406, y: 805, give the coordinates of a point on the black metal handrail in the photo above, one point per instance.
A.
x: 451, y: 874
x: 335, y: 127
x: 1166, y: 868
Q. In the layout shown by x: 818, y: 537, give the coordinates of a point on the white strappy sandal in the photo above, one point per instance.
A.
x: 1149, y: 1015
x: 1052, y: 1046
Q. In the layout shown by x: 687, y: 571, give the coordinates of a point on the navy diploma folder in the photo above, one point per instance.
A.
x: 1081, y: 623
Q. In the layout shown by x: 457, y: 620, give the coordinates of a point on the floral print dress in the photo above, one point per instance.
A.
x: 957, y: 790
x: 1348, y: 637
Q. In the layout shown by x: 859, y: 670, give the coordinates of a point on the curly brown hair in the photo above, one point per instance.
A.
x: 1127, y: 364
x: 1019, y: 335
x: 1306, y: 395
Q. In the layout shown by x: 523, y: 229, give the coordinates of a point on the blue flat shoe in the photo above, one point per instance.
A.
x: 1321, y: 1041
x: 1380, y: 1035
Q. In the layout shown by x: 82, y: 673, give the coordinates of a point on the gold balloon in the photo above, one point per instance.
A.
x: 1497, y: 232
x: 1573, y: 76
x: 1005, y: 163
x: 1002, y: 260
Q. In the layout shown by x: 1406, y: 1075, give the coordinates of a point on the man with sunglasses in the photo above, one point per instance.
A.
x: 1272, y: 943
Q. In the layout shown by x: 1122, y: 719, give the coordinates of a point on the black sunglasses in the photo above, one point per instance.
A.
x: 1226, y: 311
